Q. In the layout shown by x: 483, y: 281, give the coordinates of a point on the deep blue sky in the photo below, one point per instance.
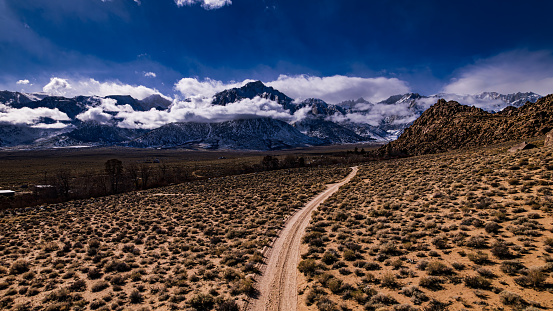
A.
x: 427, y: 44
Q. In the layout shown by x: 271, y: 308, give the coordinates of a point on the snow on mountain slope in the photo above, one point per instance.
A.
x: 248, y: 134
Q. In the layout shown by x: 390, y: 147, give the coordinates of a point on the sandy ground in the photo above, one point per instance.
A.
x: 278, y: 284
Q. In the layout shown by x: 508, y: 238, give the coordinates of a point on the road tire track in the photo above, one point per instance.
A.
x: 278, y: 283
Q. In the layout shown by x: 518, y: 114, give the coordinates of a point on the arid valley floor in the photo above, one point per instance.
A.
x: 460, y: 230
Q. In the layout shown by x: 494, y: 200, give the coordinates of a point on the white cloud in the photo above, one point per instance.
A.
x: 57, y: 87
x: 66, y: 87
x: 30, y: 116
x: 199, y: 109
x: 335, y: 89
x: 509, y: 72
x: 23, y: 82
x: 150, y: 74
x: 206, y: 4
x: 104, y: 112
x: 190, y: 87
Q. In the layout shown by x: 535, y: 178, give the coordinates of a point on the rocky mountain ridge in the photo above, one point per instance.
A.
x: 450, y: 125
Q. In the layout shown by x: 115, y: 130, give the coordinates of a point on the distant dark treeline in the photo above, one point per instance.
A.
x: 65, y: 185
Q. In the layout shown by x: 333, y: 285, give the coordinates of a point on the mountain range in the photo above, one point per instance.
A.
x: 276, y: 121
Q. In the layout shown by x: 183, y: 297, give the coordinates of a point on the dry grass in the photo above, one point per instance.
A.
x: 194, y: 245
x: 463, y: 230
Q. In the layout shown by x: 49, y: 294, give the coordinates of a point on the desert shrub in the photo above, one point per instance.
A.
x: 389, y: 280
x: 60, y: 295
x: 118, y: 279
x: 78, y: 286
x: 136, y: 296
x: 97, y: 304
x: 372, y: 266
x: 19, y: 267
x: 501, y: 250
x: 404, y: 307
x: 535, y: 277
x: 458, y: 266
x: 116, y: 265
x: 325, y: 304
x: 349, y: 255
x: 308, y: 267
x: 485, y: 272
x: 99, y: 286
x: 431, y: 282
x: 389, y: 248
x: 477, y: 282
x: 438, y: 268
x: 334, y: 284
x: 492, y: 227
x: 344, y: 271
x: 201, y: 302
x: 436, y: 305
x: 417, y: 295
x: 383, y: 299
x: 478, y: 258
x: 477, y: 241
x: 313, y: 295
x: 244, y: 286
x: 511, y: 267
x: 511, y: 299
x: 440, y: 242
x: 227, y: 305
x: 421, y: 265
x: 329, y: 258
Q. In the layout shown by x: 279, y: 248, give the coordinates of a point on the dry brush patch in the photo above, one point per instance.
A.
x: 463, y: 230
x: 195, y: 245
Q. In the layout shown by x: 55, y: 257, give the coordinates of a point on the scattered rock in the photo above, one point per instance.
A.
x: 522, y: 146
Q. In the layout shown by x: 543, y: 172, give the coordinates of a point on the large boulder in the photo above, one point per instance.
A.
x: 522, y: 146
x: 548, y: 139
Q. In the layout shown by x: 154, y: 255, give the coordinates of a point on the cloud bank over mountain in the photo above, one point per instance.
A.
x: 90, y: 87
x: 513, y: 71
x: 338, y: 88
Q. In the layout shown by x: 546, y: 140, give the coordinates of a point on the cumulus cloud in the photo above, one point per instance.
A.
x: 57, y: 87
x: 65, y: 87
x: 104, y: 112
x: 23, y: 82
x: 191, y: 87
x: 335, y: 89
x: 30, y: 116
x: 206, y: 4
x: 150, y: 74
x: 509, y: 72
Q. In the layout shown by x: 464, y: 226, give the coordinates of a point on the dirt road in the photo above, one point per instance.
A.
x: 277, y: 285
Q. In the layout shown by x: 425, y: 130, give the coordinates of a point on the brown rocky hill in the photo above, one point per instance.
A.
x: 450, y: 125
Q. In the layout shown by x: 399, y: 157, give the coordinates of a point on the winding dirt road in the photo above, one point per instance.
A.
x: 278, y: 285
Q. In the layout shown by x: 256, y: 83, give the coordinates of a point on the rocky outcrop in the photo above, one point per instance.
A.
x: 548, y: 139
x: 450, y: 125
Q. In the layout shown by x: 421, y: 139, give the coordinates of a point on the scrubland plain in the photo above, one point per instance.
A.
x: 195, y: 245
x: 466, y: 230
